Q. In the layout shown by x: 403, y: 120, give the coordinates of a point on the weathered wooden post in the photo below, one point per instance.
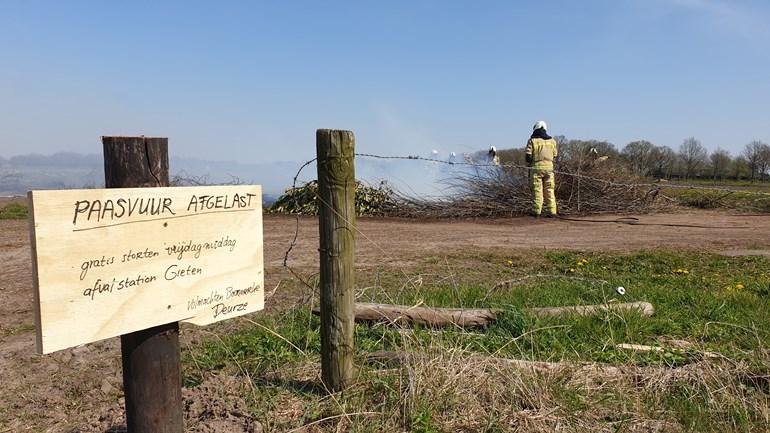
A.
x: 336, y: 189
x: 152, y: 379
x: 132, y: 262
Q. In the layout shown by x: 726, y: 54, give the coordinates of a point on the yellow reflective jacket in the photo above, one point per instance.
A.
x: 543, y: 153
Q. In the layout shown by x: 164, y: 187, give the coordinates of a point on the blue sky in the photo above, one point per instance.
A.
x: 253, y: 80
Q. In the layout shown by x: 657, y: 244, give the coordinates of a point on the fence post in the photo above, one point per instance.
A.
x: 152, y: 379
x: 337, y: 214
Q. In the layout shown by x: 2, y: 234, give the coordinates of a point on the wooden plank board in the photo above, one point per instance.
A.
x: 112, y: 261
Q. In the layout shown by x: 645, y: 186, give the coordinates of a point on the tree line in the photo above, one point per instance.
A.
x: 690, y: 161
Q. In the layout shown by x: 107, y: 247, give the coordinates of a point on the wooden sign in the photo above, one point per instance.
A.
x: 112, y: 261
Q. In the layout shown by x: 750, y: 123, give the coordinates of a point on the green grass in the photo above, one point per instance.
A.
x: 743, y: 183
x: 747, y: 201
x: 720, y: 304
x: 744, y: 195
x: 13, y: 211
x: 18, y: 329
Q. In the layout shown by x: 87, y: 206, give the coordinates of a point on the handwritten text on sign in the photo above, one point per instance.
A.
x: 114, y: 261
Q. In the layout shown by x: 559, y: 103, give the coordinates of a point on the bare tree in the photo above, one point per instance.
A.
x: 752, y: 153
x: 740, y: 167
x: 576, y: 150
x: 639, y: 156
x: 720, y: 163
x: 692, y: 155
x: 764, y: 160
x: 662, y: 159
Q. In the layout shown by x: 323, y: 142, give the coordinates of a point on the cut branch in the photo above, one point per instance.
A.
x: 398, y: 358
x: 643, y: 348
x: 405, y: 314
x: 581, y: 372
x: 474, y: 317
x: 644, y: 308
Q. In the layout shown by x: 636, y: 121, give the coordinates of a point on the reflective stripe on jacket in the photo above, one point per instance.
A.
x: 543, y: 153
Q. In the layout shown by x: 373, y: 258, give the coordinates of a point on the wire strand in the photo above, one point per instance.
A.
x: 563, y: 173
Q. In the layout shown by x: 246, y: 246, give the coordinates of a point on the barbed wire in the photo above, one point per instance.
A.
x: 296, y: 231
x: 624, y: 220
x: 293, y: 243
x: 304, y: 281
x: 527, y: 168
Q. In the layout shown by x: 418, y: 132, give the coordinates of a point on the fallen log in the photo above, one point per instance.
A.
x: 580, y: 372
x: 406, y: 314
x: 472, y: 317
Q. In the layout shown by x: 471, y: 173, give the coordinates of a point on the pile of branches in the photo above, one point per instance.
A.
x: 505, y: 191
x: 583, y: 186
x: 370, y: 200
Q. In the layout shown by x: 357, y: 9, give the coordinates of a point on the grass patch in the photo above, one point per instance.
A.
x: 755, y: 185
x: 18, y: 329
x: 751, y: 200
x: 719, y: 304
x: 13, y: 211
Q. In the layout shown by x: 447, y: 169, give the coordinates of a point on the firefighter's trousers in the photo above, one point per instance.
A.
x: 540, y: 178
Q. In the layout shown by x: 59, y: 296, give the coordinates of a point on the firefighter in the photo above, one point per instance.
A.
x: 492, y: 157
x: 540, y: 154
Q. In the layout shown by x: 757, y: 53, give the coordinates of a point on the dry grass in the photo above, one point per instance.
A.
x: 466, y: 394
x: 572, y: 378
x: 456, y: 391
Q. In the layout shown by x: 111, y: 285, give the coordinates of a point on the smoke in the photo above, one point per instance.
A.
x: 418, y: 177
x: 413, y: 177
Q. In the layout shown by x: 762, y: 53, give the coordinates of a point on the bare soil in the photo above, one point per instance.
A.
x: 79, y: 389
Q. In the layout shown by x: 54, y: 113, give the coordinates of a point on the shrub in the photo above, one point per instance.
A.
x: 370, y: 201
x: 13, y: 211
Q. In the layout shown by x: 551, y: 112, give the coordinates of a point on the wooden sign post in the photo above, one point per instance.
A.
x: 337, y: 220
x: 152, y: 375
x: 134, y: 260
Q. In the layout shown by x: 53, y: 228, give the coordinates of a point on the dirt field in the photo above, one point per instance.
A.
x: 78, y: 390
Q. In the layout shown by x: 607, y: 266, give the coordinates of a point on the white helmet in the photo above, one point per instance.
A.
x: 492, y: 149
x: 540, y: 124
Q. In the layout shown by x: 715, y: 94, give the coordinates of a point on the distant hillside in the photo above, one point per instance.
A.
x: 67, y: 170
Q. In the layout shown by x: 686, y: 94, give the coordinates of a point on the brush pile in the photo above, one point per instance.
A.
x: 370, y: 201
x: 593, y: 187
x: 586, y: 183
